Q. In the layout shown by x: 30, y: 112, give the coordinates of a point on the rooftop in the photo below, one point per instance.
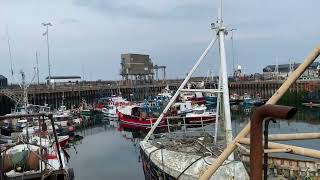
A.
x: 64, y: 77
x: 2, y: 77
x: 286, y: 67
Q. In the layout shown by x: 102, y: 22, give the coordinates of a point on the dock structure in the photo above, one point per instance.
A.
x: 71, y: 94
x: 267, y: 88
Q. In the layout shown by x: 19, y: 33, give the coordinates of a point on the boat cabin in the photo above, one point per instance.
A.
x: 182, y: 107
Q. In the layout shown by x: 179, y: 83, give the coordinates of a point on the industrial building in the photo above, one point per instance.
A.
x: 283, y: 70
x: 136, y: 69
x: 63, y: 79
x: 3, y: 81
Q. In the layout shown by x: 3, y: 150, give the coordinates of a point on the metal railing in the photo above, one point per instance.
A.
x: 187, y: 126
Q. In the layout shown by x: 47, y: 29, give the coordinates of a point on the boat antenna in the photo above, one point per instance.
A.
x: 11, y: 58
x: 82, y: 70
x: 37, y: 64
x: 220, y: 14
x: 10, y: 54
x: 277, y: 69
x: 233, y: 52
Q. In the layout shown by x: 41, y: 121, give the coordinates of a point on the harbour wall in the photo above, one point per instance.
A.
x: 72, y: 94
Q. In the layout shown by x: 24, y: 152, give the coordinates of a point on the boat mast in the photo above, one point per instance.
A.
x: 221, y: 31
x: 25, y: 92
x: 37, y: 68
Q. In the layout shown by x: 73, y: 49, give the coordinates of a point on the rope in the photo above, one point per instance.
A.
x: 164, y: 174
x: 149, y: 157
x: 189, y: 166
x: 37, y: 155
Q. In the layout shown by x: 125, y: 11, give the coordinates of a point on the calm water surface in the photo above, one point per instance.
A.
x: 107, y: 153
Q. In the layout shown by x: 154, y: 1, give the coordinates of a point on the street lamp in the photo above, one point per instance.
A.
x: 47, y: 34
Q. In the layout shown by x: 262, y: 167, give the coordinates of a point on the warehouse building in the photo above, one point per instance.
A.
x: 3, y: 81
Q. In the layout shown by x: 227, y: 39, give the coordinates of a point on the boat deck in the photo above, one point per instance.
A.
x: 180, y: 156
x: 201, y: 145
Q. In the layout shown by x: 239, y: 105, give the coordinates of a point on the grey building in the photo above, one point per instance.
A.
x: 3, y: 81
x: 284, y: 70
x: 136, y: 68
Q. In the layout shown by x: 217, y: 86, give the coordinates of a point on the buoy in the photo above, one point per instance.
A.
x: 311, y: 104
x: 71, y: 128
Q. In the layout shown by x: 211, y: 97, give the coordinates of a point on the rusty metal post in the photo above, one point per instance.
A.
x: 256, y: 148
x: 265, y: 157
x: 1, y: 162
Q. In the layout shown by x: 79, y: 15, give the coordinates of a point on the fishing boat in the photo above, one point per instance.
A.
x: 187, y: 153
x: 312, y: 99
x: 194, y: 97
x: 37, y: 157
x: 92, y: 116
x: 110, y: 111
x: 132, y: 117
x: 211, y: 98
x: 247, y: 99
x: 200, y: 116
x: 234, y: 99
x: 63, y: 120
x: 165, y: 95
x: 181, y: 108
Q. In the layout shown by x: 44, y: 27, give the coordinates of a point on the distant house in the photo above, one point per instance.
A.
x: 3, y: 81
x: 284, y: 70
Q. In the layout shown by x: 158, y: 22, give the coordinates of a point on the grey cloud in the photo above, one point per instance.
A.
x: 132, y: 10
x: 172, y: 32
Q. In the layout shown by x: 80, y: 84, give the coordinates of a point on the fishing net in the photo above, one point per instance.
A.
x: 19, y: 159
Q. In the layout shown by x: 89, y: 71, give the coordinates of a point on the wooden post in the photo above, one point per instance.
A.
x: 295, y: 149
x: 298, y: 136
x: 273, y: 100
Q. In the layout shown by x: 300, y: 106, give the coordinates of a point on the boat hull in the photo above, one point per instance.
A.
x: 200, y: 121
x: 165, y: 164
x: 131, y: 122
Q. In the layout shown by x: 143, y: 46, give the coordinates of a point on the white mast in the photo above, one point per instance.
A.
x: 9, y: 48
x: 221, y: 31
x: 48, y: 49
x: 277, y: 69
x: 223, y: 82
x: 25, y: 92
x: 290, y: 67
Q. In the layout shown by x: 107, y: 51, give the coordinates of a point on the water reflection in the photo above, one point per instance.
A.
x: 110, y: 151
x: 106, y: 152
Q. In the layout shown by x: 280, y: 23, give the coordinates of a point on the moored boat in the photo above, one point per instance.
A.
x: 200, y: 116
x: 133, y: 118
x: 36, y: 157
x: 186, y: 153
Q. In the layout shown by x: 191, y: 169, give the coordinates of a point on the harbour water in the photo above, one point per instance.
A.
x: 108, y: 152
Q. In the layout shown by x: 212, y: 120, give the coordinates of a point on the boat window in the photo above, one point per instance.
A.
x: 198, y: 111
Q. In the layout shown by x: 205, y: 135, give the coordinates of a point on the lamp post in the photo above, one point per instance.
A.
x: 47, y: 34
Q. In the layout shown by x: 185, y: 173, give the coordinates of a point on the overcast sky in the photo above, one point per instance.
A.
x: 89, y: 35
